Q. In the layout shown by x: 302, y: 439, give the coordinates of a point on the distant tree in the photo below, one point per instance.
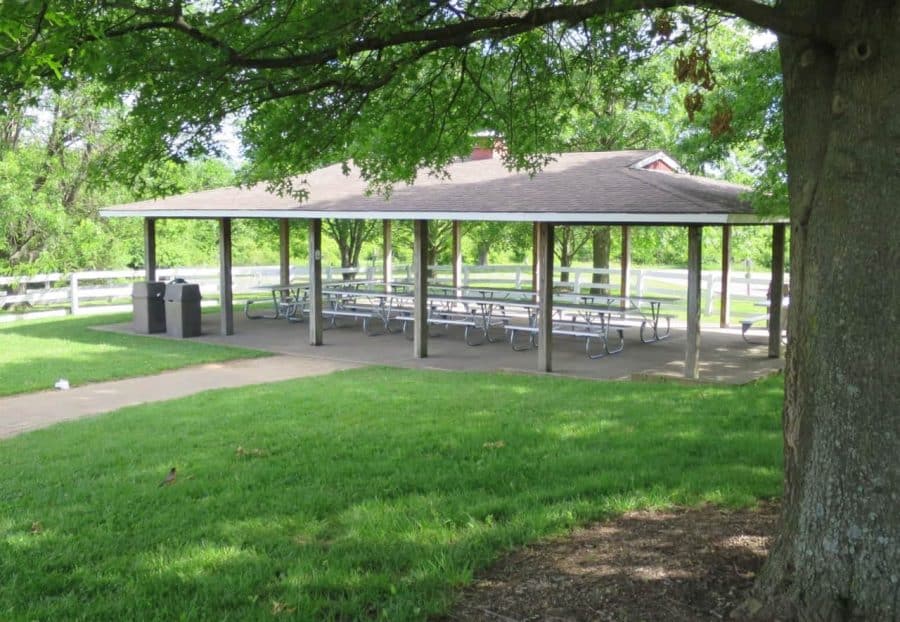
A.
x: 48, y: 151
x: 350, y: 236
x: 54, y: 155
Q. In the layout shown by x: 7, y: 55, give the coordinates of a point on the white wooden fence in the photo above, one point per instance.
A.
x: 86, y: 292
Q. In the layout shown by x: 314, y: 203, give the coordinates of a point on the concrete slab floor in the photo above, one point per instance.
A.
x: 724, y: 356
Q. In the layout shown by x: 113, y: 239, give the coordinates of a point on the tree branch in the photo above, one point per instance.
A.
x: 467, y: 31
x: 506, y: 25
x: 35, y: 33
x: 765, y: 16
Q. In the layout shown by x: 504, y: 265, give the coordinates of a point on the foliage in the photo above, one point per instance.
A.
x: 54, y: 178
x: 738, y: 134
x: 617, y: 103
x: 45, y: 164
x: 36, y: 354
x: 296, y: 498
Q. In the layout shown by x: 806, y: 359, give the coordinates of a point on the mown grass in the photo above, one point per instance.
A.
x: 367, y: 494
x: 35, y: 354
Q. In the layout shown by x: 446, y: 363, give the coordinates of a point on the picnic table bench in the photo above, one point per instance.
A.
x: 472, y: 322
x: 748, y: 322
x: 357, y: 312
x: 591, y: 333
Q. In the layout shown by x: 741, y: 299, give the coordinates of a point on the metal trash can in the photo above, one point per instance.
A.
x: 182, y: 310
x: 147, y: 299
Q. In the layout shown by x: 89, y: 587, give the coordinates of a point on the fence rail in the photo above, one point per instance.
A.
x: 82, y: 292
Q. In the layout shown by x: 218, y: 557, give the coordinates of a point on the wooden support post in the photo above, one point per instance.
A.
x: 420, y: 289
x: 625, y: 261
x: 284, y: 250
x: 776, y: 299
x: 315, y: 282
x: 226, y: 299
x: 692, y: 355
x: 387, y: 255
x: 725, y: 301
x: 456, y: 254
x: 545, y: 297
x: 150, y: 248
x: 535, y: 236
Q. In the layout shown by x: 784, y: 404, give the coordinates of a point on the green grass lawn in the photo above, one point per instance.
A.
x: 372, y: 493
x: 35, y: 354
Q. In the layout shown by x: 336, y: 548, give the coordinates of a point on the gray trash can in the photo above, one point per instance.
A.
x: 183, y: 310
x: 149, y: 307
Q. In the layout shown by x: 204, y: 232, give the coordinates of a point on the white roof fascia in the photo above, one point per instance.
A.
x: 557, y: 217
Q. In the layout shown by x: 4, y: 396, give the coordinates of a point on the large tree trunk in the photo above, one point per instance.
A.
x: 836, y: 557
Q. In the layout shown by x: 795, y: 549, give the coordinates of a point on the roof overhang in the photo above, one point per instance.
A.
x: 591, y: 188
x: 612, y: 218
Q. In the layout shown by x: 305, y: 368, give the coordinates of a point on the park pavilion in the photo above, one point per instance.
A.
x: 621, y: 188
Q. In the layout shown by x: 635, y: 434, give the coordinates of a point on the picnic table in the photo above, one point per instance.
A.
x: 354, y: 302
x: 631, y: 309
x: 591, y: 322
x: 477, y: 316
x: 288, y: 301
x: 596, y: 318
x: 747, y: 323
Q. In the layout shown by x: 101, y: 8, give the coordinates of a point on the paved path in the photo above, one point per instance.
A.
x: 22, y: 413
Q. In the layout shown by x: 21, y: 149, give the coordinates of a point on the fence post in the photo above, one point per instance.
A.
x: 370, y: 273
x: 710, y: 280
x: 518, y: 277
x: 465, y: 275
x: 73, y: 293
x: 640, y: 283
x: 577, y: 285
x: 747, y: 264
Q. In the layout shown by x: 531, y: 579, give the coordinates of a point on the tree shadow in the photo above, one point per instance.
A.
x: 335, y: 500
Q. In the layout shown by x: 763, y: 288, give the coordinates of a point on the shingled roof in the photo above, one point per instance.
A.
x: 589, y: 187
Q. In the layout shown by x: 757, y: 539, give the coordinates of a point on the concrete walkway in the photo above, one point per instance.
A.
x: 31, y: 411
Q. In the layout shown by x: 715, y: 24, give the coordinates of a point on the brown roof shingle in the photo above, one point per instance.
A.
x: 576, y: 187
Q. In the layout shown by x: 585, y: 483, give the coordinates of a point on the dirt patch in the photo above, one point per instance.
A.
x: 688, y: 565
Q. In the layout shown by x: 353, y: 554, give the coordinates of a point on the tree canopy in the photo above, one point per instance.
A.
x: 396, y: 86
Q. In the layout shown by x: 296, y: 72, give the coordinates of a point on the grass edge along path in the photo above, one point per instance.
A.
x: 367, y: 494
x: 35, y: 354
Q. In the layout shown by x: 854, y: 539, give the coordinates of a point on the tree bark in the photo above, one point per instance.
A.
x: 836, y: 556
x: 566, y: 252
x: 602, y: 242
x: 483, y: 254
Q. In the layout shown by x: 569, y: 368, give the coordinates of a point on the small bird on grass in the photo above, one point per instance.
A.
x: 170, y: 478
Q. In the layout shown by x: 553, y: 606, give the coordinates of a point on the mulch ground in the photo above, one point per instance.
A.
x: 689, y: 565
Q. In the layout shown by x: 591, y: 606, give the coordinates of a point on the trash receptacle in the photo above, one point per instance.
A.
x: 183, y: 310
x: 149, y: 307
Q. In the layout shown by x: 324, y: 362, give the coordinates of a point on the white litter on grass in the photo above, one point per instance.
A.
x: 62, y: 384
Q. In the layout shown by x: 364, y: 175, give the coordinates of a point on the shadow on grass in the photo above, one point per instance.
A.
x: 361, y: 494
x: 690, y: 565
x: 39, y: 353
